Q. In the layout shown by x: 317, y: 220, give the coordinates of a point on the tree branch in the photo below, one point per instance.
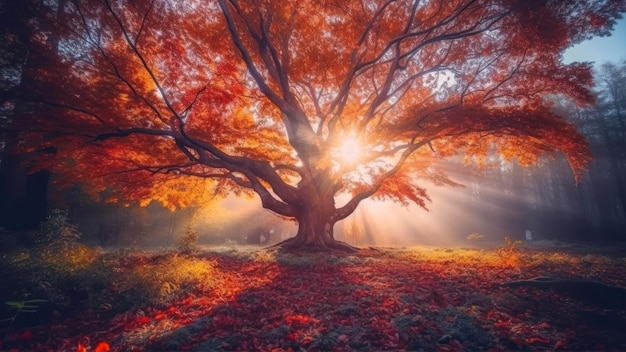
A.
x: 144, y: 63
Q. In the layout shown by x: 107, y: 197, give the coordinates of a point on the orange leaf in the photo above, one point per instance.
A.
x: 538, y: 340
x: 560, y: 344
x: 81, y: 348
x: 102, y: 347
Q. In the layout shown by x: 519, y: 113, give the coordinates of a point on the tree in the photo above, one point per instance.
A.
x: 300, y: 102
x: 22, y: 196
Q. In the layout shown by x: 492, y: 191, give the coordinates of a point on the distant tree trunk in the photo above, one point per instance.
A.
x: 14, y: 38
x: 608, y: 172
x: 36, y: 197
x: 8, y: 187
x: 23, y: 197
x: 104, y: 233
x: 170, y: 230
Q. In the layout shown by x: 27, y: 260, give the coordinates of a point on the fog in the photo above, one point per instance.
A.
x: 542, y: 202
x: 503, y: 200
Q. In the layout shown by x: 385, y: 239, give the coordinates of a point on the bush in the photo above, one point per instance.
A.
x: 509, y: 254
x: 189, y: 241
x: 162, y: 280
x: 61, y: 269
x: 59, y: 249
x: 56, y: 232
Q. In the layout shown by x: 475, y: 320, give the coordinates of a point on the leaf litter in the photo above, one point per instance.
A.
x: 427, y: 299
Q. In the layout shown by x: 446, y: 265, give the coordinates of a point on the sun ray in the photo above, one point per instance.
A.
x: 350, y: 150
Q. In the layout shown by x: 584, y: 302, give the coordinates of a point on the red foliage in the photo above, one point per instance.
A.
x: 162, y: 101
x: 102, y: 347
x: 364, y: 302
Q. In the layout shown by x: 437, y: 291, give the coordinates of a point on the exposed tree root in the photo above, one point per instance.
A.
x: 343, y: 246
x: 296, y: 244
x: 589, y: 291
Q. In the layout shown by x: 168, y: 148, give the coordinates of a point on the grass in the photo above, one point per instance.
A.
x: 247, y: 298
x: 22, y: 306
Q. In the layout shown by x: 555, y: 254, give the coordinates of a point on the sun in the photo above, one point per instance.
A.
x: 349, y: 150
x: 348, y: 156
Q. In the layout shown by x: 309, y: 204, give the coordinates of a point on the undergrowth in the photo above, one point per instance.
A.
x: 58, y: 267
x: 163, y: 280
x: 239, y: 298
x: 22, y: 306
x: 189, y: 241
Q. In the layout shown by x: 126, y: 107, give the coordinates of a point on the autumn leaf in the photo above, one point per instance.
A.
x: 183, y: 104
x: 102, y: 347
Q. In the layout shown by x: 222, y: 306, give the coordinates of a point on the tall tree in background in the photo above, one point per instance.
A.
x: 546, y: 199
x: 605, y: 128
x: 22, y: 196
x: 301, y: 102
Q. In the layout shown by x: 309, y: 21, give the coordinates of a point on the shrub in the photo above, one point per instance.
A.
x: 59, y: 249
x: 509, y: 254
x: 265, y: 256
x: 61, y: 269
x: 189, y: 241
x: 56, y: 232
x: 163, y: 280
x: 24, y: 305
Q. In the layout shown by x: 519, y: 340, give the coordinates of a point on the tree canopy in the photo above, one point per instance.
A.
x: 175, y: 101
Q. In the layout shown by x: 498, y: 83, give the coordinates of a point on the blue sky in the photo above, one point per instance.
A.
x: 601, y: 49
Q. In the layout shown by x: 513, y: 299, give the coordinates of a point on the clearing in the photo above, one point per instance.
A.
x: 233, y: 298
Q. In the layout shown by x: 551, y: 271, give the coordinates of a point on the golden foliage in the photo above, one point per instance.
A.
x: 164, y: 279
x: 165, y: 95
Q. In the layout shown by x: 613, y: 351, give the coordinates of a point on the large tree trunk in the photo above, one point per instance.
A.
x: 315, y: 229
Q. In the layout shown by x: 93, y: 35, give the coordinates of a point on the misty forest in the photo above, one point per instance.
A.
x: 264, y: 175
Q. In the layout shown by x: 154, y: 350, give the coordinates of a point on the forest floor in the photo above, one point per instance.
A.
x: 379, y: 299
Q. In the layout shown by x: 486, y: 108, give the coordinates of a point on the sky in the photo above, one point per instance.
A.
x: 601, y: 49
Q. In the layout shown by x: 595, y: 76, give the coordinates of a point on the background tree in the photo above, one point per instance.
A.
x: 22, y: 196
x: 300, y: 102
x: 546, y: 199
